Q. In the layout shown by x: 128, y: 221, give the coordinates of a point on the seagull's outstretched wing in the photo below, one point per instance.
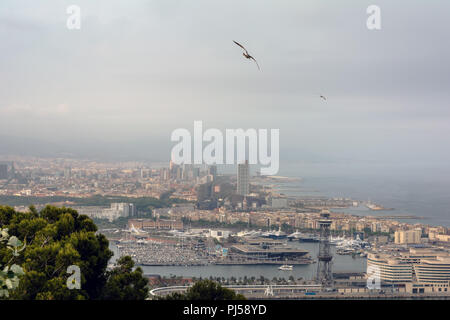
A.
x: 323, y: 97
x: 240, y: 45
x: 255, y: 62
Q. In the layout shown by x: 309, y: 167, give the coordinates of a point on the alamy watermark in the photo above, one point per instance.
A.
x: 213, y: 153
x: 374, y: 20
x: 74, y: 20
x: 373, y: 277
x: 74, y: 280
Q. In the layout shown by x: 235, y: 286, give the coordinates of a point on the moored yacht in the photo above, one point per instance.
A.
x: 286, y: 267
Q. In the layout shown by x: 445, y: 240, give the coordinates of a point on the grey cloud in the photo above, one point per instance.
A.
x: 137, y: 70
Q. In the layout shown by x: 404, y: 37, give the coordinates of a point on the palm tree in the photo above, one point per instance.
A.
x: 262, y: 279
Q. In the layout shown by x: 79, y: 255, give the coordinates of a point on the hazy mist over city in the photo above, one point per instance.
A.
x: 199, y: 152
x: 137, y: 70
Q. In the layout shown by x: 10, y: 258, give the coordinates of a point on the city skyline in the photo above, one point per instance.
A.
x: 224, y: 150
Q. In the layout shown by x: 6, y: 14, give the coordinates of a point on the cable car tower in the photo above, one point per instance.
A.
x: 324, y: 273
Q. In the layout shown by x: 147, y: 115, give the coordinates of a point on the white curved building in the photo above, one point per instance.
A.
x: 433, y: 271
x: 390, y: 269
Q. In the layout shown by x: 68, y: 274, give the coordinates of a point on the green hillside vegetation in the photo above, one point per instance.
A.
x: 205, y: 290
x: 57, y: 238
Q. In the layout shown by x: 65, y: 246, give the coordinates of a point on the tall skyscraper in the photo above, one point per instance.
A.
x: 67, y: 172
x: 196, y: 172
x: 178, y: 173
x: 187, y: 173
x: 164, y: 174
x: 243, y: 179
x: 12, y: 174
x: 212, y: 170
x: 174, y: 171
x: 3, y: 171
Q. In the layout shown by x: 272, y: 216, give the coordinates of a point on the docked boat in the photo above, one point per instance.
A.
x: 345, y: 251
x: 337, y: 240
x: 249, y: 234
x: 286, y: 267
x: 308, y: 238
x: 295, y: 236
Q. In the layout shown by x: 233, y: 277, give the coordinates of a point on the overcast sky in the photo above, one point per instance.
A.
x: 139, y: 69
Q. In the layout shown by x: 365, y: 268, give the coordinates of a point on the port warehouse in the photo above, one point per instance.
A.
x: 266, y: 251
x: 260, y: 252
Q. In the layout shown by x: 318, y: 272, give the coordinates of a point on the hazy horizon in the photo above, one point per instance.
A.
x: 137, y: 70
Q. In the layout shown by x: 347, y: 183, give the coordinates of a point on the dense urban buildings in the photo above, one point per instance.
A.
x: 408, y: 236
x: 187, y: 215
x: 115, y: 211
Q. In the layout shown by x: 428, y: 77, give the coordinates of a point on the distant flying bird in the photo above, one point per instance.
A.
x: 247, y: 55
x: 323, y: 97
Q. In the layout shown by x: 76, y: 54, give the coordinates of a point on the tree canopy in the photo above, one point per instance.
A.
x: 57, y: 238
x: 124, y: 283
x: 206, y: 290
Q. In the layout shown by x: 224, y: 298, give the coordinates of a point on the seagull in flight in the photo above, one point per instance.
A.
x: 247, y: 55
x: 323, y: 97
